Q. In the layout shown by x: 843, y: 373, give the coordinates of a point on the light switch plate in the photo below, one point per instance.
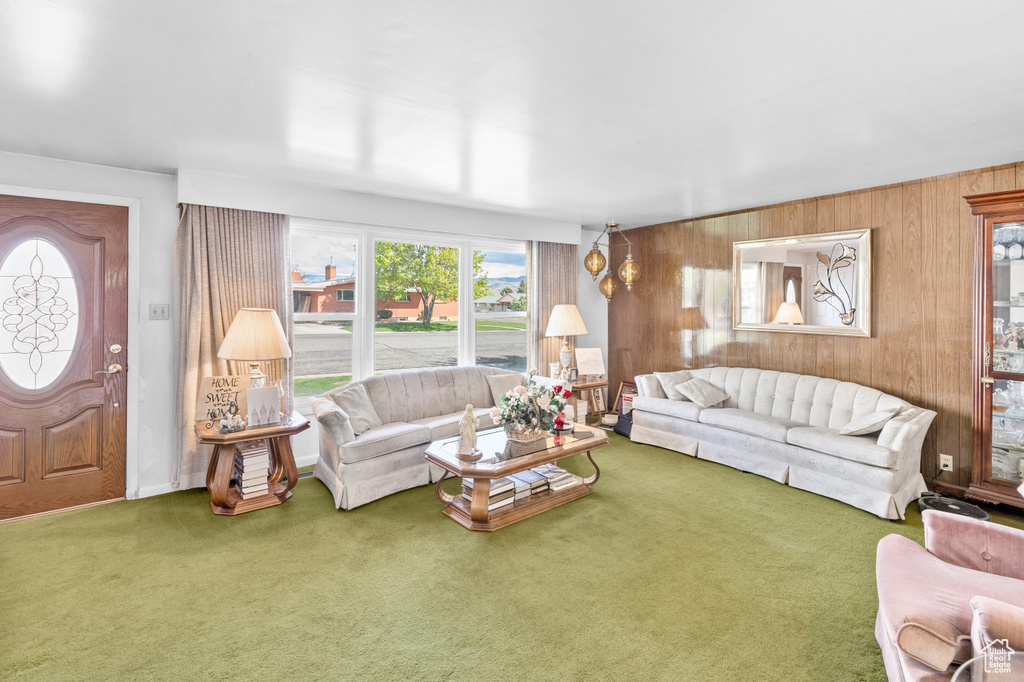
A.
x: 159, y: 311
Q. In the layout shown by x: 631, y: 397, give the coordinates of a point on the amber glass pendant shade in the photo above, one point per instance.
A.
x: 594, y: 262
x: 609, y: 286
x: 629, y: 271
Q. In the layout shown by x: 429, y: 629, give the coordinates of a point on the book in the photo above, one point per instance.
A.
x: 524, y: 488
x: 501, y: 500
x: 255, y: 488
x: 567, y: 482
x: 498, y: 485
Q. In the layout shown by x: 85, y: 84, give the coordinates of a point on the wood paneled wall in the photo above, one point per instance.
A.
x: 923, y: 261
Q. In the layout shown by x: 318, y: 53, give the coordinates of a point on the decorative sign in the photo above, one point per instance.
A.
x: 589, y: 361
x: 216, y: 393
x: 264, y: 406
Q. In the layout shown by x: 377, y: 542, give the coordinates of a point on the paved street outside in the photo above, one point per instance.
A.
x: 321, y: 350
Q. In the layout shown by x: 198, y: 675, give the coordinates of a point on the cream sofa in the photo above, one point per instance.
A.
x: 416, y: 407
x: 786, y: 427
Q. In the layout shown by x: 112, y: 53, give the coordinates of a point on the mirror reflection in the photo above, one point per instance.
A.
x: 810, y: 284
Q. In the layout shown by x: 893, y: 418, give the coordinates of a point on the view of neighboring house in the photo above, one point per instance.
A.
x: 494, y: 304
x: 336, y: 294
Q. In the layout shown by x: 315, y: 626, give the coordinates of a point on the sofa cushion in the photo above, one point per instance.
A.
x: 868, y: 423
x: 383, y: 439
x: 500, y: 384
x: 447, y: 425
x: 669, y: 381
x: 861, y: 449
x: 334, y: 419
x: 701, y: 392
x: 925, y: 602
x: 751, y: 423
x: 993, y: 620
x: 355, y: 401
x: 671, y: 408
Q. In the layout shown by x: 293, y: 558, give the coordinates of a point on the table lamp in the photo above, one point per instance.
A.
x: 789, y: 313
x: 565, y: 321
x: 255, y: 336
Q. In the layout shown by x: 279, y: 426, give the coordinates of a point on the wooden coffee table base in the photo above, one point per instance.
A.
x: 474, y: 515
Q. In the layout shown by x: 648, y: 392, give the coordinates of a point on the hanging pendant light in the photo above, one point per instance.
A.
x: 629, y: 271
x: 609, y: 285
x: 594, y: 262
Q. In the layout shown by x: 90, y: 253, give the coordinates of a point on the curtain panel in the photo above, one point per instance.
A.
x: 225, y: 260
x: 553, y: 280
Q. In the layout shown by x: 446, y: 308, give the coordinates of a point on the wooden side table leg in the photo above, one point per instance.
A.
x: 481, y: 496
x: 224, y: 456
x: 284, y: 467
x: 597, y: 472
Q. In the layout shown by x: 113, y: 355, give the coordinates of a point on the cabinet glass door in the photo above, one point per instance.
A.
x: 1008, y: 351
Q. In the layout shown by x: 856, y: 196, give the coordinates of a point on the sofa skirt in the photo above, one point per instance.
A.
x: 883, y: 492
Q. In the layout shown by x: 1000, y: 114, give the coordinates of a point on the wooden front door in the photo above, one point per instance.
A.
x: 63, y: 320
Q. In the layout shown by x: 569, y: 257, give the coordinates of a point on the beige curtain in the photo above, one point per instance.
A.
x: 553, y: 272
x: 774, y: 294
x: 225, y: 259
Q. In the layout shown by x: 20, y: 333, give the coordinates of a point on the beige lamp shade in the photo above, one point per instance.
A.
x: 789, y: 313
x: 255, y: 335
x: 565, y: 320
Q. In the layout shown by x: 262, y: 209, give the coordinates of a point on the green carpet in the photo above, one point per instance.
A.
x: 674, y: 569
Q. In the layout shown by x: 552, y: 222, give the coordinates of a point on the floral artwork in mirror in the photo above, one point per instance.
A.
x: 809, y: 284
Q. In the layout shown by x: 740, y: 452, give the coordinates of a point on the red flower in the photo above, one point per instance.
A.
x: 561, y: 415
x: 567, y: 393
x: 557, y: 390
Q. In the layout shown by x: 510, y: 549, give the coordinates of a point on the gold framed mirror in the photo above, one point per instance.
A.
x: 805, y: 284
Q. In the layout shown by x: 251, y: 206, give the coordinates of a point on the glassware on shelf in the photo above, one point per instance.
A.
x: 1000, y: 401
x: 1015, y: 249
x: 998, y: 337
x: 1000, y: 240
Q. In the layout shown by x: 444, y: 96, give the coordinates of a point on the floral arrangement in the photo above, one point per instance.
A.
x: 526, y: 410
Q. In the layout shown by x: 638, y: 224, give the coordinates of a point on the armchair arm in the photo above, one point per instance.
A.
x: 972, y: 543
x: 995, y: 620
x: 334, y: 425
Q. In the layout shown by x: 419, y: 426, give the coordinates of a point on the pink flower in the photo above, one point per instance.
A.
x: 519, y: 390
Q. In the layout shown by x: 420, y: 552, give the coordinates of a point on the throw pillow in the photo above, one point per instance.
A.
x: 334, y: 419
x: 501, y: 384
x: 702, y: 393
x: 355, y: 401
x: 869, y: 423
x: 669, y: 381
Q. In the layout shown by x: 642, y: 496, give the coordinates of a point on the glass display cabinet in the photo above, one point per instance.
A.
x: 998, y: 363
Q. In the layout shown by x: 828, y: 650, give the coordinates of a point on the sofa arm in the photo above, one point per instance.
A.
x: 334, y: 425
x: 972, y: 543
x: 995, y: 620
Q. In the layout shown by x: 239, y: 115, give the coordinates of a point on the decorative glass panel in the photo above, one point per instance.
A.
x: 39, y: 313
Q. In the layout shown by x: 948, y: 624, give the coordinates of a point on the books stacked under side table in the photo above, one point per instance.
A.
x: 502, y: 494
x: 252, y: 467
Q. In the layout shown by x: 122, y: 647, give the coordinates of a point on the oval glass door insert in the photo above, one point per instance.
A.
x: 39, y: 314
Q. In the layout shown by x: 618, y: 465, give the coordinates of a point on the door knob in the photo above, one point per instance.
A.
x: 113, y: 369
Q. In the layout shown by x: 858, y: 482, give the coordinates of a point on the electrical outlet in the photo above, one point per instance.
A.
x: 159, y: 311
x: 946, y: 462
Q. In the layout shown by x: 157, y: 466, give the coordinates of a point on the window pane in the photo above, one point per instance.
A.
x: 417, y: 306
x: 323, y: 273
x: 499, y: 307
x: 321, y: 359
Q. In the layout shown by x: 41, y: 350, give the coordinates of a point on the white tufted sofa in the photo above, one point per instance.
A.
x: 786, y: 427
x: 416, y: 407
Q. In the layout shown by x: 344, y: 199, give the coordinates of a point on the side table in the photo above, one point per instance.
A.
x: 588, y: 387
x: 225, y: 499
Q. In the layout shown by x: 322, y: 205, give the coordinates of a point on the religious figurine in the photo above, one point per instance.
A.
x: 232, y: 419
x: 467, y: 436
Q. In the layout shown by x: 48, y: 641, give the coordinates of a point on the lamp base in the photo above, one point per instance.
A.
x: 565, y: 357
x: 257, y: 379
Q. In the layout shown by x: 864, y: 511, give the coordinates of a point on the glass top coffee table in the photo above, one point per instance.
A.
x: 500, y: 459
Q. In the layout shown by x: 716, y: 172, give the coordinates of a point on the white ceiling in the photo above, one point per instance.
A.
x: 574, y: 110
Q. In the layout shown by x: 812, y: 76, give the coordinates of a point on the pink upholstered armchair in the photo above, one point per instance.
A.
x: 941, y: 603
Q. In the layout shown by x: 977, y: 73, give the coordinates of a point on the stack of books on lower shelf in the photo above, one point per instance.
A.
x: 557, y: 477
x: 503, y: 492
x: 528, y: 483
x: 252, y: 466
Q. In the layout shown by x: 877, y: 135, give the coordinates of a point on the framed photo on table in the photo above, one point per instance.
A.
x: 590, y: 361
